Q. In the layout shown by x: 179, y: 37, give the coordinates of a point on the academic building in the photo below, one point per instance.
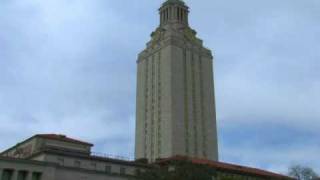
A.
x: 175, y: 119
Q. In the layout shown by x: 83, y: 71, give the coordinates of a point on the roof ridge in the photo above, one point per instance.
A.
x: 63, y: 137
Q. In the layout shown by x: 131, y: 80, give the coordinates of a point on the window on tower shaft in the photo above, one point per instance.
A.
x: 167, y: 14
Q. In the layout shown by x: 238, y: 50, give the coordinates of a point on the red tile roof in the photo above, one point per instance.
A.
x: 225, y: 166
x: 61, y: 137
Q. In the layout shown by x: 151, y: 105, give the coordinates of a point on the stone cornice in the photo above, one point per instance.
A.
x: 25, y: 161
x: 174, y: 41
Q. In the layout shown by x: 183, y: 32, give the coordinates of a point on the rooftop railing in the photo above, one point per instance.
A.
x: 110, y: 156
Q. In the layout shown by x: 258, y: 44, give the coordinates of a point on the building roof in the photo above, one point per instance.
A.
x: 173, y: 2
x: 225, y: 166
x: 67, y: 153
x: 58, y: 137
x: 61, y: 137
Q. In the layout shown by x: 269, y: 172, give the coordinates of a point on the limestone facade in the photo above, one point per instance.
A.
x: 66, y: 163
x: 57, y: 157
x: 12, y: 169
x: 41, y: 142
x: 175, y: 91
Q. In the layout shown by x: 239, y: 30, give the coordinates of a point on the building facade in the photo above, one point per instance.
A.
x: 58, y: 157
x: 175, y: 91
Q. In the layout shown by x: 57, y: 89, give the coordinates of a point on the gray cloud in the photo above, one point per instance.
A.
x: 272, y: 146
x: 69, y: 67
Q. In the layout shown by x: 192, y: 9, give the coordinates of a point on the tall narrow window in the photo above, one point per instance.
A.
x: 162, y: 16
x: 186, y: 16
x: 22, y: 175
x: 60, y: 161
x: 77, y: 163
x: 167, y: 14
x: 122, y: 170
x: 36, y: 176
x: 137, y: 171
x: 181, y: 14
x: 94, y: 165
x: 178, y: 16
x: 7, y: 174
x: 108, y: 169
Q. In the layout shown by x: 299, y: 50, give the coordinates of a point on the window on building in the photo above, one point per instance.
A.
x: 94, y: 165
x: 171, y: 168
x: 77, y: 163
x: 22, y: 175
x: 36, y: 176
x: 108, y: 169
x: 60, y: 161
x: 138, y: 171
x: 122, y: 170
x: 7, y: 174
x: 83, y: 178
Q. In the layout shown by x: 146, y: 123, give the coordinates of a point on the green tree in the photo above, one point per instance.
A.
x: 179, y: 171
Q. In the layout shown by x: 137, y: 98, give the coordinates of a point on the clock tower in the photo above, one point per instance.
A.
x: 175, y: 112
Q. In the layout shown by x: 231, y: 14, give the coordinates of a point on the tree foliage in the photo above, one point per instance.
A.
x: 302, y: 173
x: 179, y: 171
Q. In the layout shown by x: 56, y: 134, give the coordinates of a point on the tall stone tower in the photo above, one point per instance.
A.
x: 175, y: 91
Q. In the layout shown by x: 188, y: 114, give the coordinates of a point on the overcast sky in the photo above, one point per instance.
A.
x: 69, y: 67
